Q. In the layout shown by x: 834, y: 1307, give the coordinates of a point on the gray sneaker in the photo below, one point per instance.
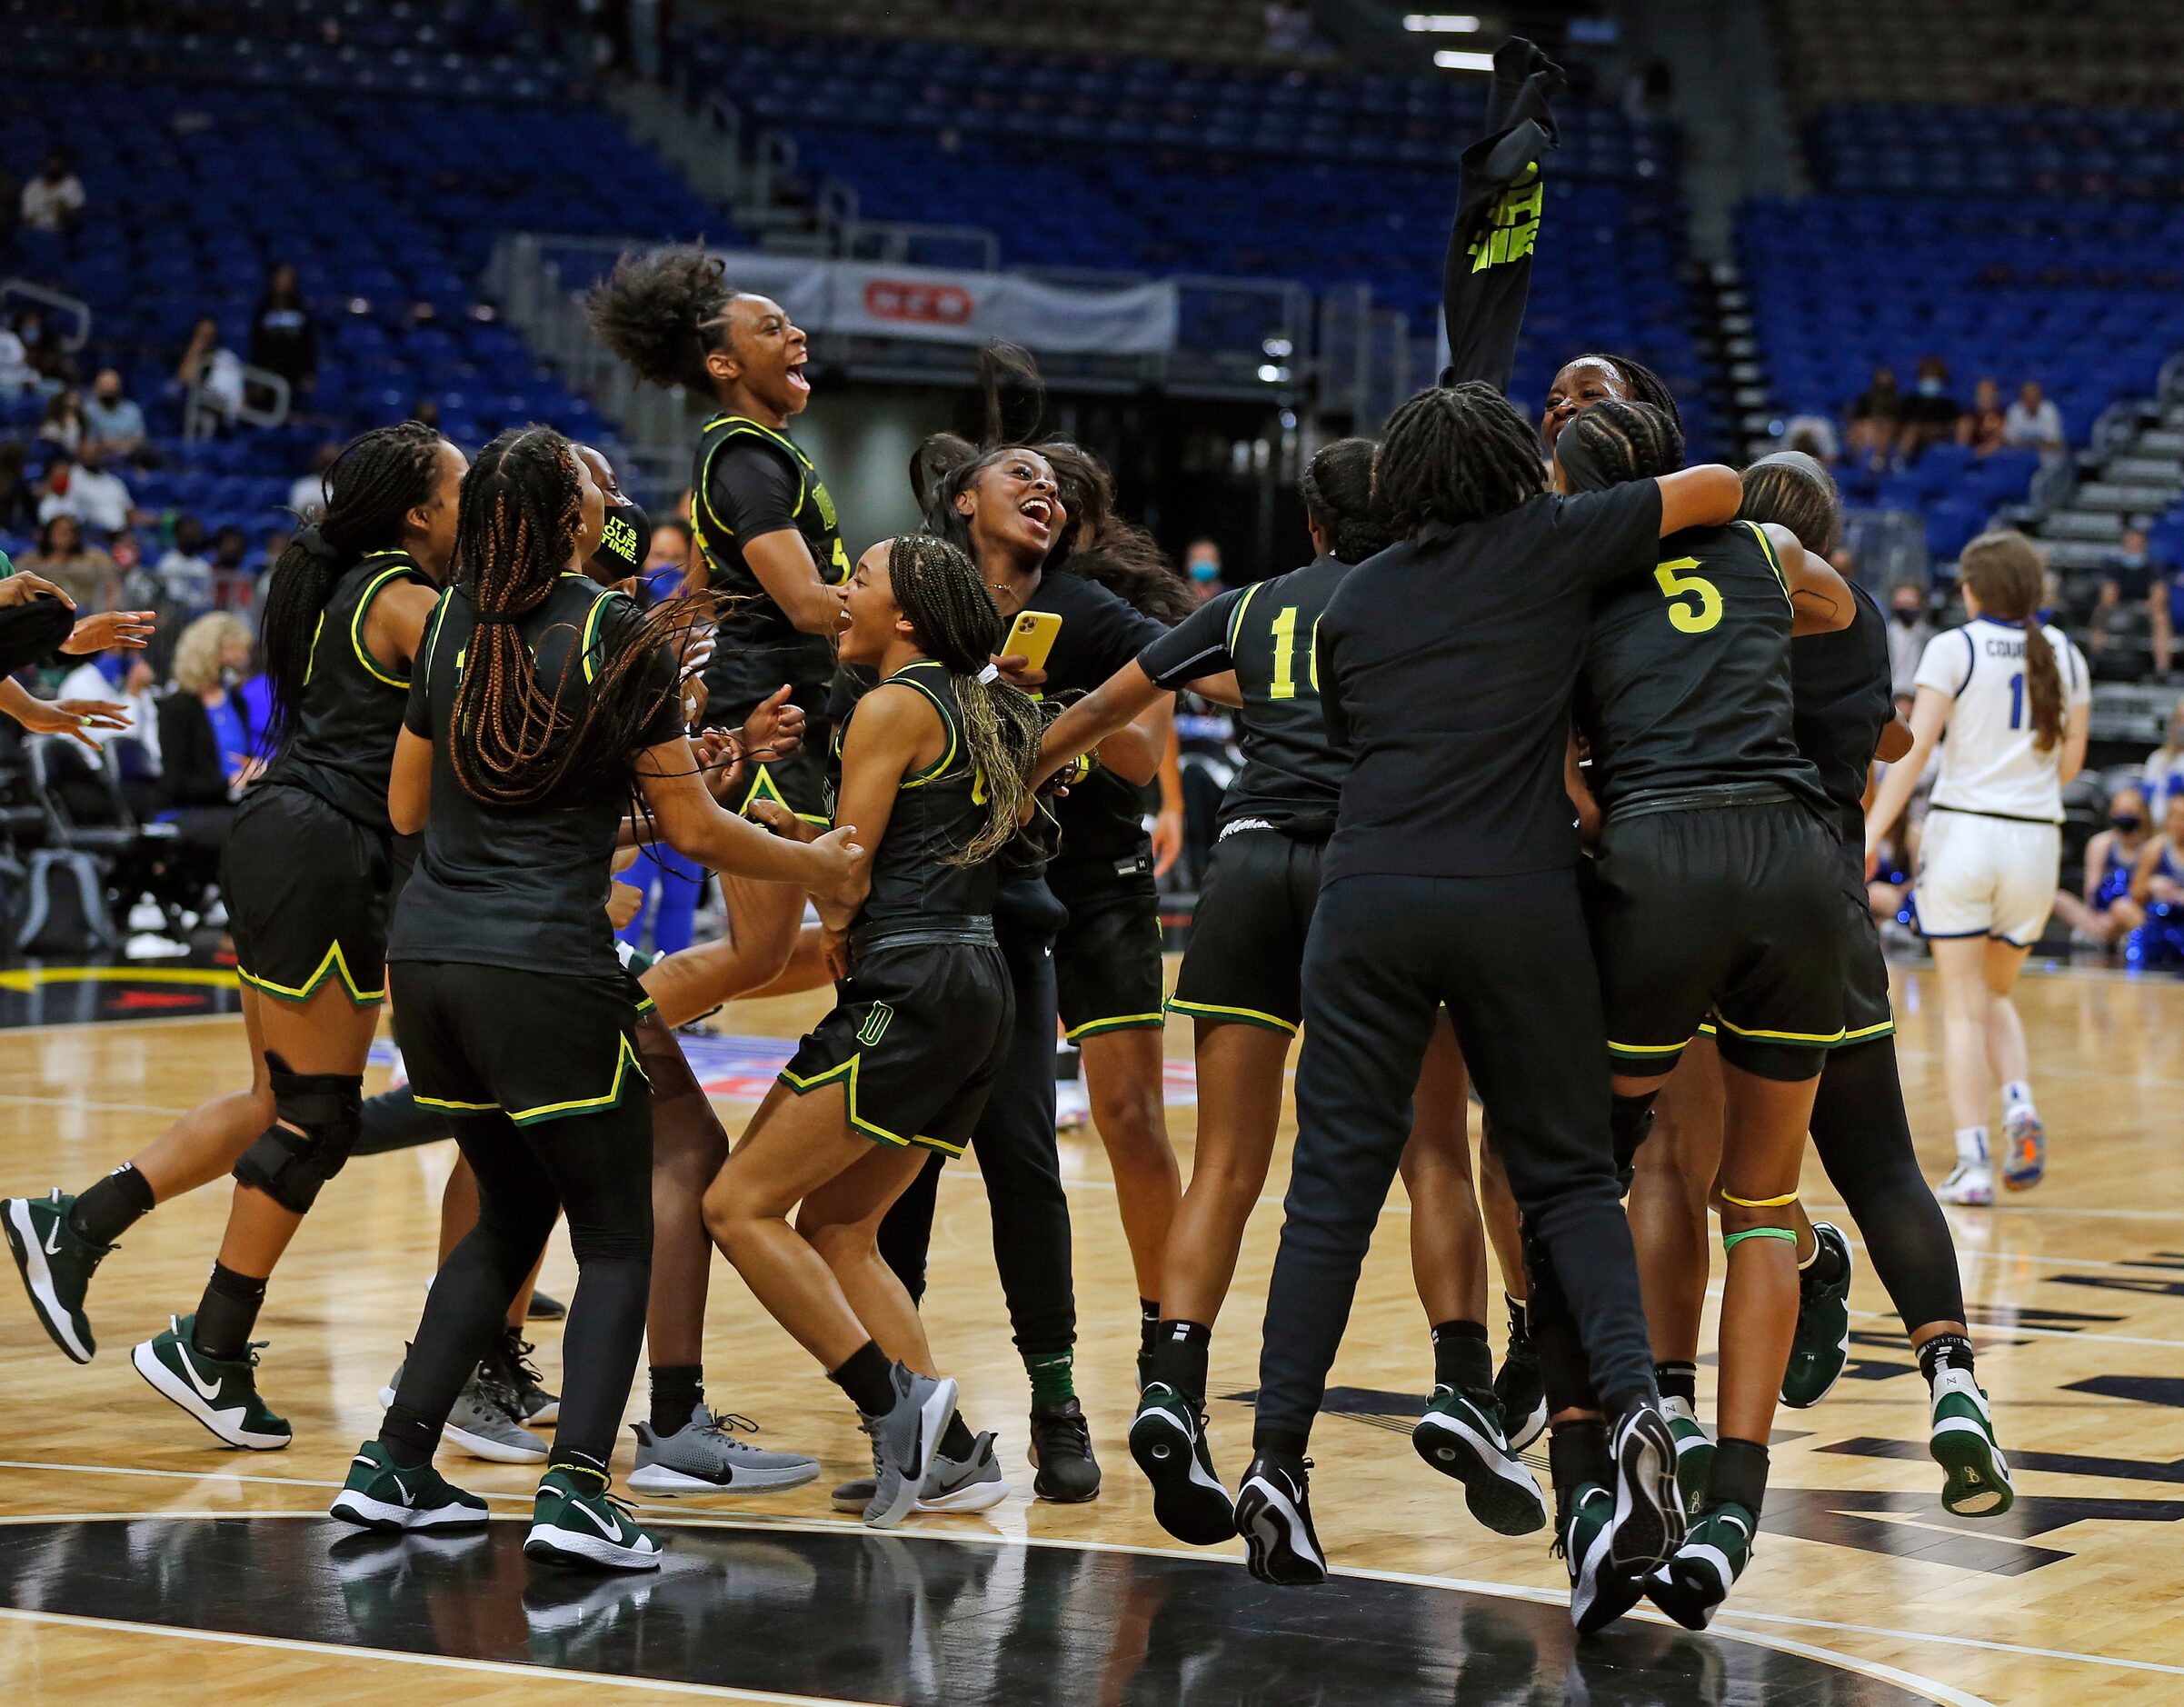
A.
x: 971, y: 1485
x: 703, y: 1457
x: 484, y: 1421
x: 905, y: 1439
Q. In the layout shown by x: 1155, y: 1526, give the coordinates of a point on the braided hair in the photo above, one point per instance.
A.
x: 514, y: 742
x: 1641, y: 382
x: 1454, y: 455
x: 370, y: 489
x: 1119, y: 554
x: 1793, y: 489
x: 1337, y: 490
x: 664, y: 313
x: 1613, y: 443
x: 2007, y: 573
x: 938, y: 589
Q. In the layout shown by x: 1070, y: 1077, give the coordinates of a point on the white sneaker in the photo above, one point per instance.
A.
x: 1970, y: 1185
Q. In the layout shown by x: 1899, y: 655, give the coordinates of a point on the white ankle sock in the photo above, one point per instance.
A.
x: 1972, y: 1146
x: 2017, y: 1098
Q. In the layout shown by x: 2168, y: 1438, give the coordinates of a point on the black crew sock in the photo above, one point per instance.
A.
x: 677, y: 1390
x: 1739, y: 1472
x: 1284, y: 1447
x: 111, y: 1206
x: 1149, y: 1325
x: 227, y: 1313
x: 1178, y: 1358
x: 1678, y: 1381
x: 1952, y: 1349
x: 1461, y: 1357
x: 1577, y: 1452
x: 1824, y: 1270
x: 958, y: 1442
x: 1520, y: 1326
x: 868, y: 1378
x: 408, y: 1439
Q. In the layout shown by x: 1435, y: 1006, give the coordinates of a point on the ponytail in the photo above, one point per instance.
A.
x: 2007, y: 573
x: 370, y: 489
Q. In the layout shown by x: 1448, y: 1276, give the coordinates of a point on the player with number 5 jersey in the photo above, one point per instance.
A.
x: 2006, y: 700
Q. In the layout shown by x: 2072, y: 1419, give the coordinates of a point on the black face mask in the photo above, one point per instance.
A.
x: 627, y: 542
x: 1908, y: 618
x: 2126, y: 822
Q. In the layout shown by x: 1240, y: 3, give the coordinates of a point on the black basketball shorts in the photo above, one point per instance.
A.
x: 307, y: 890
x: 1245, y: 962
x: 1734, y: 909
x: 916, y: 1037
x: 1107, y: 958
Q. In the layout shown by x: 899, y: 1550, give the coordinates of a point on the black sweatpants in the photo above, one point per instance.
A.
x: 1511, y: 959
x: 1015, y: 1146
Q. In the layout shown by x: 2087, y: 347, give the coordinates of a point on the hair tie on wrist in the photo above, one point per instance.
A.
x: 990, y: 674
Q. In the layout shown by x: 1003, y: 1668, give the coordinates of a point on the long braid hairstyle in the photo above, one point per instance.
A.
x: 1121, y: 557
x: 1337, y: 490
x: 370, y: 489
x: 515, y: 741
x: 2006, y: 572
x: 1453, y: 454
x: 664, y: 313
x: 1613, y: 443
x: 938, y: 588
x: 1796, y: 492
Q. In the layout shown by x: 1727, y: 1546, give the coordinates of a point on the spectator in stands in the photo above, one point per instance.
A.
x: 61, y: 427
x: 112, y: 421
x: 18, y: 498
x: 85, y: 574
x: 1201, y: 563
x: 2106, y: 913
x: 87, y: 490
x: 43, y: 349
x: 208, y: 749
x: 53, y: 200
x: 667, y: 563
x: 16, y: 375
x: 1929, y: 414
x: 2165, y: 604
x: 2118, y: 641
x: 2033, y: 422
x: 213, y: 371
x: 283, y: 337
x: 230, y: 553
x: 120, y: 675
x: 1876, y: 418
x: 1909, y: 629
x: 2163, y: 771
x: 426, y: 410
x: 307, y: 497
x: 1814, y: 434
x: 1982, y: 427
x: 186, y: 573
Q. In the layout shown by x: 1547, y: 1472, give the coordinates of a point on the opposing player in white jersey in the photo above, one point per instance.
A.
x: 2006, y: 700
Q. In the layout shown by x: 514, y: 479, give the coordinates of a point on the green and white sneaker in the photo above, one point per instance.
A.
x: 1600, y: 1591
x: 1694, y: 1454
x: 378, y: 1496
x: 586, y: 1527
x: 1820, y: 1349
x: 1168, y: 1442
x: 222, y: 1395
x: 1976, y: 1475
x: 1697, y: 1576
x: 1461, y: 1436
x: 952, y: 1484
x: 57, y: 1264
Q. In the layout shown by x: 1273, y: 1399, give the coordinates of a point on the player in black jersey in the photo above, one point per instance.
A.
x: 1844, y: 721
x: 1240, y: 985
x: 537, y: 702
x: 1716, y: 890
x: 307, y: 877
x: 770, y: 543
x: 933, y: 761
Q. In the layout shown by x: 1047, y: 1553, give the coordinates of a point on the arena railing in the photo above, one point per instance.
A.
x: 74, y: 307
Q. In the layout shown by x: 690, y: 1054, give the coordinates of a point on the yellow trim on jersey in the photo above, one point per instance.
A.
x: 1236, y: 617
x: 764, y: 787
x: 364, y: 604
x: 803, y: 468
x: 591, y: 630
x: 1865, y: 1032
x: 933, y: 772
x: 1242, y: 1016
x: 333, y: 961
x: 846, y: 1075
x: 311, y: 658
x: 1645, y: 1049
x: 454, y: 1107
x: 1118, y: 1023
x: 1817, y: 1039
x: 1773, y: 561
x: 625, y: 1060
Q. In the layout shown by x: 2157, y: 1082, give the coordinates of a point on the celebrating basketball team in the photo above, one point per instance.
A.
x: 1558, y: 787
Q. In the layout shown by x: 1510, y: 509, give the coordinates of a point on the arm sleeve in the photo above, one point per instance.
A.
x: 1610, y: 534
x: 417, y: 714
x: 1196, y: 646
x: 1946, y: 664
x: 753, y: 488
x: 32, y: 632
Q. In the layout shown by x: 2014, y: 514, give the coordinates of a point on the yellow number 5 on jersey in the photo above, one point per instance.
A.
x: 1689, y: 619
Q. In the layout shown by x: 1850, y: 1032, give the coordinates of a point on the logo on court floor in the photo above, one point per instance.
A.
x: 875, y: 1024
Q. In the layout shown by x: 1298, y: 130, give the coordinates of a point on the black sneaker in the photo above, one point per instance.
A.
x: 545, y: 1308
x: 1168, y: 1440
x: 1062, y: 1448
x: 1273, y: 1515
x: 1520, y: 1392
x: 511, y: 1361
x: 1649, y: 1511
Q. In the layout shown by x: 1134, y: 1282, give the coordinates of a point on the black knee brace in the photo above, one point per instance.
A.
x: 1630, y: 1119
x: 290, y: 1166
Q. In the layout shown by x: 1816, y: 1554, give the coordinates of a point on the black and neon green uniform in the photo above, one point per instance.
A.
x: 311, y: 866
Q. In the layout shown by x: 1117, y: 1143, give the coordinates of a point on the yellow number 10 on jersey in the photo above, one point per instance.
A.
x: 1689, y: 619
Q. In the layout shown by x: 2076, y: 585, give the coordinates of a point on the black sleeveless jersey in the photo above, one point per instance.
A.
x: 1840, y: 682
x: 524, y: 886
x: 1292, y: 778
x: 744, y: 468
x: 343, y: 745
x: 1686, y: 679
x: 916, y: 882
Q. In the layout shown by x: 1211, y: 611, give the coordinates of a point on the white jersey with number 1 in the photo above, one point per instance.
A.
x: 1989, y: 764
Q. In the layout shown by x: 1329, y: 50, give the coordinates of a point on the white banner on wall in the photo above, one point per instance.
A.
x: 951, y: 307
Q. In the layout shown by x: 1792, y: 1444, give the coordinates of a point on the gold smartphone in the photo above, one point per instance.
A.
x: 1032, y: 638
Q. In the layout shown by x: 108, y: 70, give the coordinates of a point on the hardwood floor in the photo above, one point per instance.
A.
x: 110, y: 1500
